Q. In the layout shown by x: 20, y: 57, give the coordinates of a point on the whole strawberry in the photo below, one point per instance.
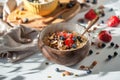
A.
x: 91, y: 14
x: 105, y: 36
x: 113, y: 21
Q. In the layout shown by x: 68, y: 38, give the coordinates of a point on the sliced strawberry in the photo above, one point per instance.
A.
x: 91, y: 14
x: 105, y: 36
x: 113, y: 21
x: 69, y: 42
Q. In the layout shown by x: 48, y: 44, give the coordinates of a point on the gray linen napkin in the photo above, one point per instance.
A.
x: 16, y: 42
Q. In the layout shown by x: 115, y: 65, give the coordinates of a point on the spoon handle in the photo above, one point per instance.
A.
x: 90, y: 24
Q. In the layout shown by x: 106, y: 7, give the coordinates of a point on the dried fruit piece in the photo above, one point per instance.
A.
x: 116, y: 46
x: 105, y: 36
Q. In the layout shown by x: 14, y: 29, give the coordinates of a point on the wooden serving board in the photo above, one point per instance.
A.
x: 39, y: 22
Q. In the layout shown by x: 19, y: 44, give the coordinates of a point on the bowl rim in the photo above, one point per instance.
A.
x: 44, y: 45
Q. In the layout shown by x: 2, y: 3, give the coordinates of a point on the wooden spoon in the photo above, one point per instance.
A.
x: 90, y: 24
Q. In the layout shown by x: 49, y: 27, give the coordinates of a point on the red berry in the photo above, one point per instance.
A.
x: 69, y: 35
x: 69, y: 42
x: 113, y: 21
x: 90, y: 15
x: 105, y: 36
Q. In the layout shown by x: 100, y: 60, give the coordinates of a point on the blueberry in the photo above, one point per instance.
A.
x: 74, y: 46
x: 111, y: 9
x: 74, y: 38
x: 62, y: 38
x: 57, y: 70
x: 94, y: 2
x: 89, y: 71
x: 103, y: 45
x: 81, y: 20
x: 115, y: 54
x: 102, y: 21
x: 109, y: 57
x: 102, y: 14
x: 111, y: 44
x: 25, y: 20
x: 79, y: 38
x: 70, y: 4
x: 87, y: 1
x: 90, y: 52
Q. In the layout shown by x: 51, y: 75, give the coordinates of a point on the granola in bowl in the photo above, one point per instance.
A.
x: 64, y: 40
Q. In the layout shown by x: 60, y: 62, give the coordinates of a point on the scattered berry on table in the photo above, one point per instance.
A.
x: 112, y: 44
x: 102, y: 21
x: 94, y: 2
x: 89, y: 71
x: 46, y: 63
x: 109, y: 57
x: 111, y: 9
x: 57, y: 70
x: 90, y: 52
x: 113, y: 21
x: 101, y: 45
x: 81, y: 20
x: 115, y: 54
x: 87, y: 1
x: 105, y: 36
x: 91, y: 14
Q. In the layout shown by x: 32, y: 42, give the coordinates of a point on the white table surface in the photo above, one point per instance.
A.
x: 34, y: 68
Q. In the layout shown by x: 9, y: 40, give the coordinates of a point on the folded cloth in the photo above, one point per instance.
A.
x: 17, y: 42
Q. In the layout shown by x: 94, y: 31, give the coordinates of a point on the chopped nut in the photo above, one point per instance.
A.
x: 97, y: 53
x: 82, y: 67
x: 67, y: 73
x: 101, y: 7
x: 93, y: 64
x: 49, y: 76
